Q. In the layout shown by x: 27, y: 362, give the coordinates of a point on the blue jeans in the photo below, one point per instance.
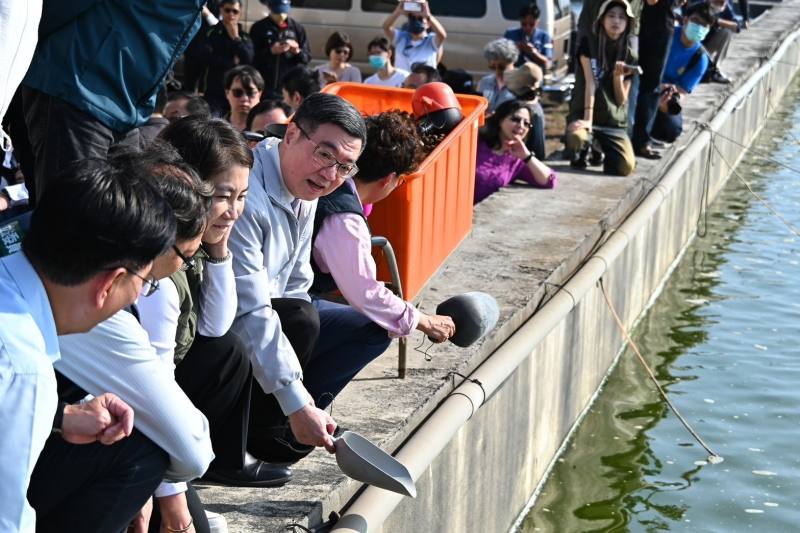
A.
x: 667, y: 127
x: 348, y: 341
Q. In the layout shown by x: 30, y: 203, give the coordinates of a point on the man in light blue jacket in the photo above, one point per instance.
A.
x: 271, y: 246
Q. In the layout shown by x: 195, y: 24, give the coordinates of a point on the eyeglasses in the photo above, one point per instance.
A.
x: 231, y: 10
x: 238, y: 93
x: 188, y: 262
x: 149, y: 284
x: 519, y: 120
x: 325, y: 159
x: 342, y: 50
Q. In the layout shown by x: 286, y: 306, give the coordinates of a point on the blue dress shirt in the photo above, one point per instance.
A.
x: 28, y: 396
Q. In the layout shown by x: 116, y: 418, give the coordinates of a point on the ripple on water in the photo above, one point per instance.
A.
x: 723, y: 333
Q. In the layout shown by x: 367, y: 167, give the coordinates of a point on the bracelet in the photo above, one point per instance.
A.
x: 589, y: 108
x: 216, y: 261
x: 182, y: 530
x: 528, y: 157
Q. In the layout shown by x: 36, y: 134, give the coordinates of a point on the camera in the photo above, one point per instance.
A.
x: 674, y: 103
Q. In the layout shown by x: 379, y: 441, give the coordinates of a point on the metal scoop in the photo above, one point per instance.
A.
x: 361, y: 460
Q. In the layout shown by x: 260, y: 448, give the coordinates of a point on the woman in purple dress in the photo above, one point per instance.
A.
x: 503, y: 156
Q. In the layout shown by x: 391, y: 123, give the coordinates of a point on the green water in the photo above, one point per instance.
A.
x: 724, y: 340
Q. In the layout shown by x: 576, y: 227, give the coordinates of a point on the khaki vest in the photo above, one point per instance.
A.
x: 188, y: 284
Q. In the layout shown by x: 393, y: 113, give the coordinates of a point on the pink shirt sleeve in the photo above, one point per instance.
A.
x: 343, y: 248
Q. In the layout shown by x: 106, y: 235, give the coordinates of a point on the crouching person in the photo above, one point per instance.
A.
x: 686, y: 64
x: 117, y: 356
x: 341, y: 256
x: 189, y: 319
x: 598, y: 114
x: 271, y: 246
x: 87, y: 254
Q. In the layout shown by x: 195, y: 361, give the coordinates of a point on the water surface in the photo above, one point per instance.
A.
x: 724, y: 340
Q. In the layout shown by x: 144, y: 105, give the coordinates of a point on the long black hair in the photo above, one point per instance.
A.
x: 606, y: 62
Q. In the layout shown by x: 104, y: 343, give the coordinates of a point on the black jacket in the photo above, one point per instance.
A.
x: 221, y: 52
x: 272, y: 67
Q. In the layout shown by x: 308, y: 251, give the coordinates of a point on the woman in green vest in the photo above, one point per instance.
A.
x: 598, y: 115
x: 189, y: 319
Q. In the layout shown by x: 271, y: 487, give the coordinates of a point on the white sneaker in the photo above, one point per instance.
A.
x: 217, y: 522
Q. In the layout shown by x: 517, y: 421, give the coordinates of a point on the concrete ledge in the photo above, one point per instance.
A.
x: 524, y: 243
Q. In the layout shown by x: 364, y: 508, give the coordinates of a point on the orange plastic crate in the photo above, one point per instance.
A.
x: 428, y: 217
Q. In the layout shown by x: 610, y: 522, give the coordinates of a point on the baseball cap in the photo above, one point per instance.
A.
x: 279, y: 6
x: 525, y: 78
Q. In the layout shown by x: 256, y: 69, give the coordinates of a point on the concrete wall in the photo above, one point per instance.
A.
x: 487, y: 473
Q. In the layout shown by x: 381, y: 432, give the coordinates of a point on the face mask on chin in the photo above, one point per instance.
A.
x: 695, y: 32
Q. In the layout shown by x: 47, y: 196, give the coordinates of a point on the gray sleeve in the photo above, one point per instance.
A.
x: 116, y: 356
x: 275, y: 365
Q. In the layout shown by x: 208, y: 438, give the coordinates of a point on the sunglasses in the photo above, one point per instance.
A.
x: 238, y: 93
x: 342, y: 50
x: 231, y: 10
x: 519, y: 120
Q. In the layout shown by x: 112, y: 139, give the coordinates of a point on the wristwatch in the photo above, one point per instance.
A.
x: 528, y: 157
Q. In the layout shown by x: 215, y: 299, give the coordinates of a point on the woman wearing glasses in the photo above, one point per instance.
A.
x: 502, y: 154
x: 339, y: 50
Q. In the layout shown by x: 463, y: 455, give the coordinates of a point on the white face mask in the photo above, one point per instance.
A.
x: 716, y: 9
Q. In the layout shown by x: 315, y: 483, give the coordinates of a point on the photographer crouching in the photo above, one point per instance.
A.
x: 686, y: 64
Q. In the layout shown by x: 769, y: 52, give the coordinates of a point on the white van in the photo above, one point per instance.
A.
x: 470, y: 24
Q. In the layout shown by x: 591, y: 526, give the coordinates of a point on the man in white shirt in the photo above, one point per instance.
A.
x: 87, y: 254
x: 271, y: 246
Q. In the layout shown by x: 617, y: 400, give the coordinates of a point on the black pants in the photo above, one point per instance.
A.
x: 93, y: 487
x: 653, y: 52
x: 216, y: 375
x: 60, y: 133
x: 716, y: 44
x: 300, y: 324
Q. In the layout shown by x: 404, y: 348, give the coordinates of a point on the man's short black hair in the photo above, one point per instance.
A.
x: 323, y: 108
x: 302, y: 80
x: 196, y: 106
x: 531, y: 10
x: 248, y: 75
x: 262, y: 107
x: 701, y: 11
x: 97, y: 215
x: 430, y: 73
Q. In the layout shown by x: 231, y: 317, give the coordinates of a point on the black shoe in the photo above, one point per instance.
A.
x: 597, y: 158
x: 255, y: 473
x: 718, y: 77
x: 648, y: 152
